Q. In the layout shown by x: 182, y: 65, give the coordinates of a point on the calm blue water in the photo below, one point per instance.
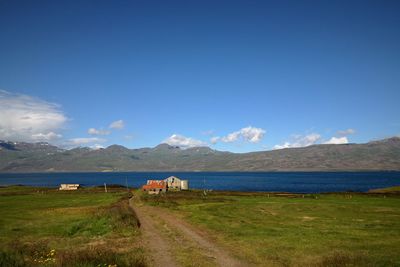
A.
x: 295, y: 182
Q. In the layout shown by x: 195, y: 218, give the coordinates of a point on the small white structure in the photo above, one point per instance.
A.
x: 184, y: 185
x: 69, y: 187
x: 174, y: 183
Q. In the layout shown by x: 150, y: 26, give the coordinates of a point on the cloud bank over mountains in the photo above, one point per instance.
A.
x: 31, y: 119
x: 337, y: 140
x: 300, y: 141
x: 343, y: 137
x: 183, y: 141
x: 315, y: 138
x: 247, y: 134
x: 115, y: 125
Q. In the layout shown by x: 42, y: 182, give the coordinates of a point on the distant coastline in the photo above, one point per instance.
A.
x: 383, y: 155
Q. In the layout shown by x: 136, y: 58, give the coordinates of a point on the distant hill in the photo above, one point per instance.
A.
x: 43, y: 157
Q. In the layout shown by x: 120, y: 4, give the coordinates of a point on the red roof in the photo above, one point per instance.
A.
x: 155, y: 184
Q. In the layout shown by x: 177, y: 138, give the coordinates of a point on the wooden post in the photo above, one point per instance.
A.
x: 105, y: 187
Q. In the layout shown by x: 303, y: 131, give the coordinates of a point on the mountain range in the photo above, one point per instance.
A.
x: 43, y: 157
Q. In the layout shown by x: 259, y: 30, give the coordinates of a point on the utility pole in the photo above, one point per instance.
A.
x: 204, y: 185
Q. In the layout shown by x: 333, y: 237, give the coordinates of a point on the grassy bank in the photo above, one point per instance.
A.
x: 296, y: 230
x: 42, y: 226
x: 391, y: 190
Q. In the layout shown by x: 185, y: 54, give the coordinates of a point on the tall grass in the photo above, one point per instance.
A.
x: 82, y: 229
x: 40, y: 254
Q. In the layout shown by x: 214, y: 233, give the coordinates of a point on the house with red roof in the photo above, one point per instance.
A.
x: 171, y: 183
x: 155, y: 186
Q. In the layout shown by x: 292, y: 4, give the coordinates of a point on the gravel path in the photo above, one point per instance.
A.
x: 159, y: 244
x: 154, y: 240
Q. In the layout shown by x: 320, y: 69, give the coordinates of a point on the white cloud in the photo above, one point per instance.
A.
x: 30, y: 119
x: 96, y: 146
x: 346, y: 132
x: 94, y: 131
x: 252, y: 134
x: 232, y: 137
x: 183, y: 142
x: 215, y: 139
x: 337, y: 140
x: 85, y: 140
x: 248, y: 134
x: 300, y: 141
x: 119, y: 124
x: 46, y: 137
x: 284, y: 145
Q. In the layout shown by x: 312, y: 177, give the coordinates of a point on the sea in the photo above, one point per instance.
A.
x: 292, y: 182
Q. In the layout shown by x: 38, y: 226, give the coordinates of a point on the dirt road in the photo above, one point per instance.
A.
x: 173, y: 242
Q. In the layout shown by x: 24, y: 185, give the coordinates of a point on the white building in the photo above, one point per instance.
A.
x: 174, y: 183
x: 69, y: 187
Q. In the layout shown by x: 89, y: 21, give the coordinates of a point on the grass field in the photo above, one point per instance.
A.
x: 46, y: 227
x: 41, y: 226
x: 296, y: 230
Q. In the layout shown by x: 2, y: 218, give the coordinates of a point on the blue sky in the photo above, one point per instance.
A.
x: 234, y: 75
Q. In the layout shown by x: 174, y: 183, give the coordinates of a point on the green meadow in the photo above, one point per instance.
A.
x: 296, y: 230
x: 47, y: 227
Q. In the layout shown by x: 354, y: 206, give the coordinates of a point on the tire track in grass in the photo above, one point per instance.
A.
x: 146, y: 215
x: 159, y: 247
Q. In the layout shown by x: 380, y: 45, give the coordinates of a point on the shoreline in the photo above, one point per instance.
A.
x: 393, y: 190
